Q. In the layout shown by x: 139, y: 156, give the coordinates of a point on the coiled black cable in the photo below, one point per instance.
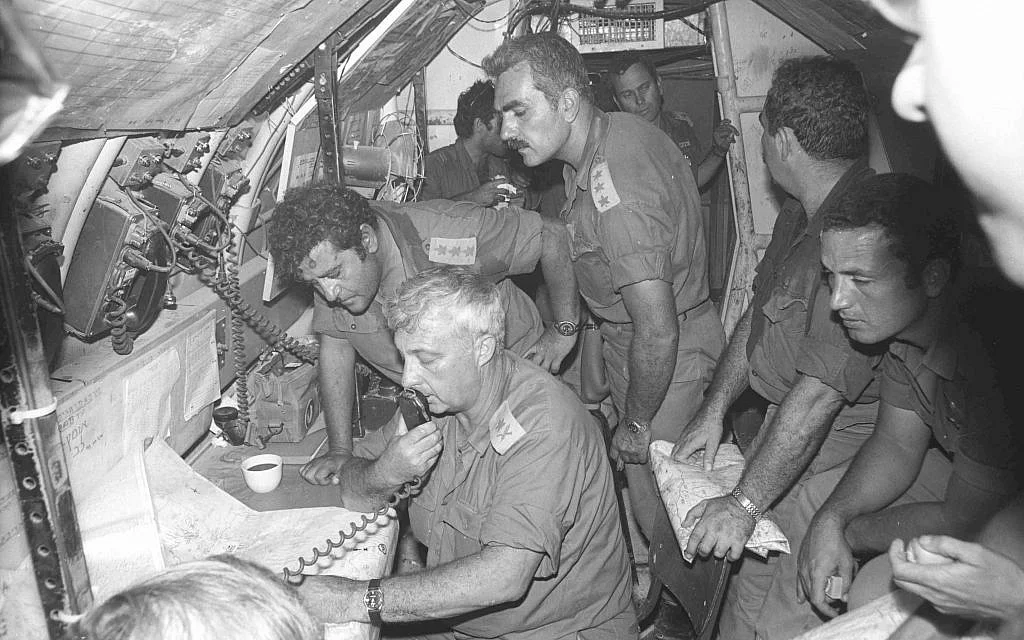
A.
x: 120, y: 340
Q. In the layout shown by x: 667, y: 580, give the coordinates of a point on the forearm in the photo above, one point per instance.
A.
x: 709, y: 167
x: 493, y: 576
x: 336, y: 374
x: 873, y: 532
x: 790, y: 442
x: 732, y: 373
x: 652, y: 362
x: 558, y: 272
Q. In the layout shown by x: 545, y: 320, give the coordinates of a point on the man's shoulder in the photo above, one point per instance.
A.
x: 543, y: 403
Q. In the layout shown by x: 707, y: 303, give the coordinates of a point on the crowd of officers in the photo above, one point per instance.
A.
x: 885, y: 431
x: 884, y: 421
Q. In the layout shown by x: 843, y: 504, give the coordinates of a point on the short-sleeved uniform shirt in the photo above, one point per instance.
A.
x: 497, y: 243
x: 633, y: 214
x: 449, y: 171
x: 952, y: 387
x: 679, y: 127
x: 534, y: 476
x: 793, y: 330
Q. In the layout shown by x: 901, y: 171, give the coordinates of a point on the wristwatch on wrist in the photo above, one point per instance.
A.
x: 752, y: 509
x: 374, y: 601
x: 637, y: 426
x: 567, y: 327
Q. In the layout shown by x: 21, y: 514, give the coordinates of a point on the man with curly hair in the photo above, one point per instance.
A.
x: 356, y: 254
x: 474, y: 166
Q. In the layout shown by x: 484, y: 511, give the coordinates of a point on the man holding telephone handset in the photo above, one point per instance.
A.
x: 518, y: 512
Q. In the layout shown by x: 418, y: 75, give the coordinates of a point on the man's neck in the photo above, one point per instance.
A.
x: 475, y: 151
x: 494, y: 379
x: 816, y: 180
x: 924, y: 333
x: 572, y: 151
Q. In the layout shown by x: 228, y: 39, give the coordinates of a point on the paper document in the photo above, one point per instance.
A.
x: 684, y: 484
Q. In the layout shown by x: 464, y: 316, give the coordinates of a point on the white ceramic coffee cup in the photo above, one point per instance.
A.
x: 263, y: 472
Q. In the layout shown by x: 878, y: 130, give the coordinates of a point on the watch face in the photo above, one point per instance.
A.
x: 636, y: 426
x: 566, y: 328
x: 374, y: 599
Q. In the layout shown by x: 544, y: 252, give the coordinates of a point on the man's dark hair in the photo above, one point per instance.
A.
x: 313, y: 213
x: 623, y: 61
x: 918, y: 224
x: 556, y: 65
x: 824, y: 101
x: 475, y: 102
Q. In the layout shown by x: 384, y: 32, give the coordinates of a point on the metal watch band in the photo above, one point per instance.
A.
x: 748, y: 506
x: 374, y: 601
x: 637, y: 426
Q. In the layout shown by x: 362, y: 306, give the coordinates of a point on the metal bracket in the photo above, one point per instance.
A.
x: 325, y: 86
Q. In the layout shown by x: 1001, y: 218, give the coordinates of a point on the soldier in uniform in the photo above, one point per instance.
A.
x: 637, y: 89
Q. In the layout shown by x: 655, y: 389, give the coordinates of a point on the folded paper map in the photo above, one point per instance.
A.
x: 684, y: 484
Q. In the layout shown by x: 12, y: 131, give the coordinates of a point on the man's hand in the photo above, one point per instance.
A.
x: 824, y: 553
x: 410, y: 455
x: 550, y: 350
x: 325, y: 469
x: 723, y: 529
x: 486, y: 194
x: 724, y: 135
x: 628, y: 447
x: 959, y: 578
x: 703, y: 432
x: 333, y: 599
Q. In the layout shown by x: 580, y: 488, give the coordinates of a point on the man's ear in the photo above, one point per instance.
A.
x: 569, y: 104
x: 936, y: 276
x: 786, y: 142
x: 485, y: 346
x: 368, y: 237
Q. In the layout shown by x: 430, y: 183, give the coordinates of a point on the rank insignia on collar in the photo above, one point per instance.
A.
x: 602, y: 190
x: 505, y: 429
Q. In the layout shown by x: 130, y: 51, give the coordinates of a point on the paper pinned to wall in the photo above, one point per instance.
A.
x: 92, y: 438
x: 202, y: 376
x: 147, y: 396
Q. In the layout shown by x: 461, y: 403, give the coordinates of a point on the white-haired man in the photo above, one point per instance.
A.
x: 518, y: 515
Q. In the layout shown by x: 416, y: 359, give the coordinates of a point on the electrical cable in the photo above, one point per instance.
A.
x: 615, y: 14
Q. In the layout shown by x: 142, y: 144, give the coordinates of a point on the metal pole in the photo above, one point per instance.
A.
x: 744, y: 259
x: 34, y: 450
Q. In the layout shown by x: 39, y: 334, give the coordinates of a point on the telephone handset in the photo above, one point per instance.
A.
x: 414, y: 410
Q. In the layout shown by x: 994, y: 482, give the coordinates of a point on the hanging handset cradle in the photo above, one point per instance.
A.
x: 413, y: 407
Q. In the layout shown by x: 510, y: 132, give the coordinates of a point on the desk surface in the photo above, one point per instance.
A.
x: 371, y: 556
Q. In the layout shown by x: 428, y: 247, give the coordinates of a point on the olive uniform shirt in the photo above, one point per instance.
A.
x: 496, y: 243
x: 952, y: 388
x: 449, y: 172
x: 534, y: 476
x: 793, y: 330
x: 679, y: 127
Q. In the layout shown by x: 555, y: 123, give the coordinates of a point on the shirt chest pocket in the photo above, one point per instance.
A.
x: 787, y: 312
x: 461, y: 536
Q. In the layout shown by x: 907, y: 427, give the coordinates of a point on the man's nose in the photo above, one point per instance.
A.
x: 506, y: 131
x: 410, y: 374
x: 840, y: 298
x: 908, y: 92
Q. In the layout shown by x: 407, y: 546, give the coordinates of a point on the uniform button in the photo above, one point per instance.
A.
x: 353, y: 327
x: 756, y: 375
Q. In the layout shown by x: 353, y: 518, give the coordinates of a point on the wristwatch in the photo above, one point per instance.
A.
x: 374, y: 601
x: 637, y: 426
x: 752, y: 509
x: 567, y: 327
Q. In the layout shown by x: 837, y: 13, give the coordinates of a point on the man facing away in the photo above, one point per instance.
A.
x: 355, y: 254
x: 518, y: 513
x: 474, y: 166
x: 637, y: 88
x: 788, y: 348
